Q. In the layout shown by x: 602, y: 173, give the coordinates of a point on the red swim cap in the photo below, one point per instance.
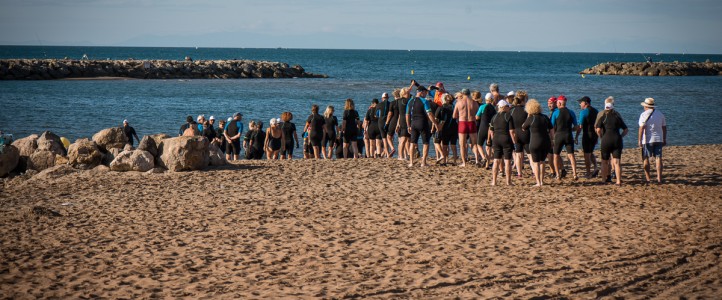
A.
x: 561, y: 98
x: 552, y: 100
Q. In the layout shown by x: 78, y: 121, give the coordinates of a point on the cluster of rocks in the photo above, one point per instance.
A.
x: 37, y: 69
x: 656, y: 69
x: 109, y: 149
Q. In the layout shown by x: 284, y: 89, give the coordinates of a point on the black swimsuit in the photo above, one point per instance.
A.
x: 537, y: 127
x: 503, y: 146
x: 611, y: 122
x: 329, y: 134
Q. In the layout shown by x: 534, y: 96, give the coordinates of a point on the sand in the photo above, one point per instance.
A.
x: 368, y: 228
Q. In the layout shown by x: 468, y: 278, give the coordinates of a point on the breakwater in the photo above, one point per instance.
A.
x: 48, y: 69
x: 656, y: 69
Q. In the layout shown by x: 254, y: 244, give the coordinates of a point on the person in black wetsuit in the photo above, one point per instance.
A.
x: 537, y: 127
x: 371, y: 125
x: 392, y: 119
x: 608, y: 126
x: 220, y: 140
x: 330, y: 128
x: 503, y: 136
x: 349, y: 128
x: 289, y: 132
x: 483, y: 116
x: 383, y: 110
x: 401, y: 127
x: 315, y: 123
x: 519, y: 115
x: 129, y: 133
x: 420, y: 118
x: 565, y: 123
x: 448, y: 133
x: 587, y: 119
x: 257, y: 141
x: 248, y: 139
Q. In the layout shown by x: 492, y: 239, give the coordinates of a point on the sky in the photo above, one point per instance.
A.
x: 624, y: 26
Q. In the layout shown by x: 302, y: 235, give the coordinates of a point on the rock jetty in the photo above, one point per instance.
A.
x: 46, y: 69
x: 656, y: 69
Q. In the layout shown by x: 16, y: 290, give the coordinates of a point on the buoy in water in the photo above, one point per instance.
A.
x: 582, y: 75
x: 468, y: 77
x: 412, y: 72
x: 65, y: 142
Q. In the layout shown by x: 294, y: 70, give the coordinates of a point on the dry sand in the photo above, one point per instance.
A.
x: 368, y: 228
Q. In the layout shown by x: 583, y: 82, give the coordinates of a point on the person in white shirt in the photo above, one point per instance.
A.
x: 652, y: 137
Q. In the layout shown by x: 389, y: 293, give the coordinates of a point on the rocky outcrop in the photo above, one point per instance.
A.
x: 84, y: 154
x: 41, y: 160
x: 136, y: 160
x: 109, y: 156
x: 51, y: 142
x: 158, y: 138
x: 9, y: 157
x: 27, y: 147
x: 110, y: 138
x: 37, y: 69
x: 656, y: 69
x: 148, y: 144
x: 185, y: 153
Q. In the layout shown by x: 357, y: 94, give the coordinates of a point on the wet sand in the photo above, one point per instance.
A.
x: 367, y: 228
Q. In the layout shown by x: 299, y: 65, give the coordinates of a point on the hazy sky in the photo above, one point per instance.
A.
x: 692, y: 26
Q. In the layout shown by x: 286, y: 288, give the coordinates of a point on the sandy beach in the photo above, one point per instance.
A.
x: 364, y: 229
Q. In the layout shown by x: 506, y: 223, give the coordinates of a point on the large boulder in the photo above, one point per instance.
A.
x: 184, y: 153
x: 216, y: 157
x: 9, y: 157
x: 84, y: 154
x: 110, y: 138
x: 148, y: 144
x: 109, y: 156
x: 54, y: 172
x: 159, y: 138
x: 27, y: 147
x: 41, y: 160
x: 51, y: 142
x: 136, y: 160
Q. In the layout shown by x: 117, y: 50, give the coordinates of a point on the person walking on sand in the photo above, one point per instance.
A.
x: 383, y: 110
x: 447, y: 134
x: 465, y: 113
x: 651, y: 137
x: 274, y: 139
x: 419, y: 117
x: 289, y: 131
x: 565, y: 122
x: 552, y: 105
x: 608, y: 127
x: 315, y: 122
x: 373, y: 133
x: 537, y: 126
x: 483, y: 116
x: 587, y: 118
x: 330, y: 129
x: 401, y: 127
x: 519, y: 115
x: 129, y: 133
x: 349, y: 129
x: 392, y: 119
x: 503, y: 136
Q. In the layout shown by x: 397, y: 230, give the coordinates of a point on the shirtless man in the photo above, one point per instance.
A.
x: 465, y: 112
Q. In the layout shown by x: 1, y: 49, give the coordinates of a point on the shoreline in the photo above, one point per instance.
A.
x: 343, y: 228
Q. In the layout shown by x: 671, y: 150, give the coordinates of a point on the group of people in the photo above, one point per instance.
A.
x: 499, y: 131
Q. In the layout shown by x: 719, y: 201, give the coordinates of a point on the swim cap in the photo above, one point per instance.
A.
x: 552, y: 100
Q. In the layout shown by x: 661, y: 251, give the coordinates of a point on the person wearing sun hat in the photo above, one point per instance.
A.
x: 652, y: 136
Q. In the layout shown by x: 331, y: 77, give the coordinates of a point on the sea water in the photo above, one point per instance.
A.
x: 80, y: 108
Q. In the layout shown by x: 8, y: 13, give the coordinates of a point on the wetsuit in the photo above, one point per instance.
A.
x: 329, y: 132
x: 403, y: 127
x: 209, y: 133
x: 611, y: 123
x: 288, y: 129
x: 351, y: 131
x: 587, y: 117
x: 394, y: 118
x: 537, y: 128
x: 234, y: 146
x: 522, y: 137
x: 274, y: 142
x: 418, y: 109
x: 316, y: 122
x: 564, y: 121
x: 382, y: 112
x: 372, y: 119
x: 485, y: 113
x: 447, y: 135
x: 257, y: 149
x: 219, y: 134
x: 503, y: 145
x: 129, y: 133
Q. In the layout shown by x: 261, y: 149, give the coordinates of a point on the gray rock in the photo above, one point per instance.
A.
x: 216, y: 157
x: 110, y: 138
x: 84, y: 154
x: 9, y: 158
x: 135, y: 160
x: 51, y: 142
x: 148, y: 144
x: 185, y: 153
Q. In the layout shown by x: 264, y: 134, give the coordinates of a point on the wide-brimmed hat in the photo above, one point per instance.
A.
x: 649, y: 102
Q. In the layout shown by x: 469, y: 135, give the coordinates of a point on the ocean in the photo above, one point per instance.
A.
x: 80, y: 108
